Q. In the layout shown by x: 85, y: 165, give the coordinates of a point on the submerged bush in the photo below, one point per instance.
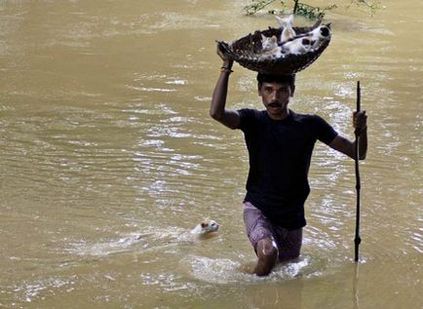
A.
x: 304, y: 9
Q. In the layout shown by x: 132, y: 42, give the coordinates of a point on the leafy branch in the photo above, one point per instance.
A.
x: 311, y: 11
x: 372, y: 5
x: 304, y: 9
x: 258, y: 5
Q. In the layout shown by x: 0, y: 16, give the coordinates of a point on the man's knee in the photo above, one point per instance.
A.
x: 267, y: 256
x: 266, y: 247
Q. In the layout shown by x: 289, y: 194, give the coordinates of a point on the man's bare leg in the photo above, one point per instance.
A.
x: 267, y: 255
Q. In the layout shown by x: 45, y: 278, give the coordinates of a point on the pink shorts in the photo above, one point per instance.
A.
x: 258, y: 227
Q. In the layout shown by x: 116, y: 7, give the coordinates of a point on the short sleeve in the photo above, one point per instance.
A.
x: 247, y: 117
x: 323, y: 130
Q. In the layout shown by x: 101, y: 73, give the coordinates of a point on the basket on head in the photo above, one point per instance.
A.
x: 246, y: 51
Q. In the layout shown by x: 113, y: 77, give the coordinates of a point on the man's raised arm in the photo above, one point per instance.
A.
x: 218, y: 112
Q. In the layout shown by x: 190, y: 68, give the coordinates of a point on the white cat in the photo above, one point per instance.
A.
x: 286, y: 23
x: 269, y: 43
x: 270, y: 48
x: 272, y: 54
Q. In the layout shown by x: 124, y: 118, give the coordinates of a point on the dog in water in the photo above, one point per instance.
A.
x: 205, y: 229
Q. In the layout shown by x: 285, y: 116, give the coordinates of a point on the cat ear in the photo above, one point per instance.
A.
x: 274, y: 39
x: 204, y: 225
x: 262, y: 37
x: 283, y: 22
x: 280, y: 20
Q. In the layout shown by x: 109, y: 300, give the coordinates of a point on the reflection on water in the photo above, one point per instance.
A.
x: 108, y: 159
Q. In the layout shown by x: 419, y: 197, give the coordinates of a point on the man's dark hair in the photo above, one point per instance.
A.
x: 280, y: 79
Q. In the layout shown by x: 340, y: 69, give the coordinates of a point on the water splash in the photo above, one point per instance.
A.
x: 227, y: 271
x: 30, y: 290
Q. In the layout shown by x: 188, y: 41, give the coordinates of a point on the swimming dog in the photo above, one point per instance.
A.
x: 205, y: 229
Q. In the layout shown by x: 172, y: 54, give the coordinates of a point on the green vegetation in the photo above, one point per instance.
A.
x: 304, y: 9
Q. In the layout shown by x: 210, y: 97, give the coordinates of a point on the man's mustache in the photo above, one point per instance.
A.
x: 275, y: 104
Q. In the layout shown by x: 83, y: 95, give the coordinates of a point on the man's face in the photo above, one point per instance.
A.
x: 275, y: 97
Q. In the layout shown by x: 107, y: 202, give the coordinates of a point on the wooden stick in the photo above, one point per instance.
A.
x: 357, y: 239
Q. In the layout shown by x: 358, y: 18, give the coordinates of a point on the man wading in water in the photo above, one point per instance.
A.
x: 280, y: 143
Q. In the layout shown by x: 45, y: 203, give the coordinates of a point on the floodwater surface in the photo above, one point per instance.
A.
x: 108, y: 158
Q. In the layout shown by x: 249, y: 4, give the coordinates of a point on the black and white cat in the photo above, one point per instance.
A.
x: 320, y: 34
x: 307, y: 42
x: 298, y: 46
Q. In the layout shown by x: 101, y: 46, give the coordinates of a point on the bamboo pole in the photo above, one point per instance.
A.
x: 357, y: 239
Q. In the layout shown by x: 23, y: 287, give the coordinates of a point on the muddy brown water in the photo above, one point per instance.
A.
x: 108, y: 157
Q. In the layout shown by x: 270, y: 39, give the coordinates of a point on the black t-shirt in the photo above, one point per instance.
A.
x: 279, y: 155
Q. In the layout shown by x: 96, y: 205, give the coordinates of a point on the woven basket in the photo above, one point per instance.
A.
x: 246, y: 51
